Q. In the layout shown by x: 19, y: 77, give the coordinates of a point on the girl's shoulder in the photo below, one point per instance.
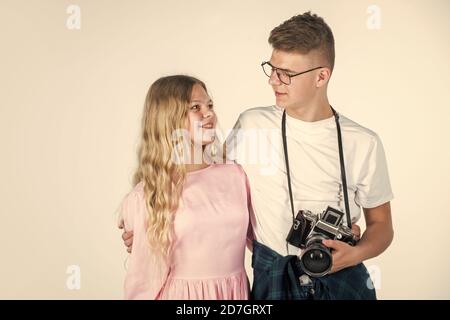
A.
x: 231, y: 172
x: 230, y: 167
x: 138, y: 189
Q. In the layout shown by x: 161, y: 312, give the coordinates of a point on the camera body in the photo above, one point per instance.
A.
x: 307, y: 233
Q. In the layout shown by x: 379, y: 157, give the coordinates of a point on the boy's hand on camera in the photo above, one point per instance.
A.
x: 344, y: 255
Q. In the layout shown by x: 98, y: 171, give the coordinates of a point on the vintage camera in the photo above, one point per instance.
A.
x: 307, y: 233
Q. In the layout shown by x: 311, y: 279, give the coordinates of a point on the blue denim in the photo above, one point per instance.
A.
x: 277, y: 277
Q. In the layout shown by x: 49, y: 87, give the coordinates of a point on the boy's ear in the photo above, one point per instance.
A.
x: 322, y: 77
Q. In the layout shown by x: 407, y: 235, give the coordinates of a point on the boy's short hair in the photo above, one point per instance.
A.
x: 304, y: 33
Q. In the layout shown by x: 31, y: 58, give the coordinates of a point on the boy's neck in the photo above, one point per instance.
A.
x: 311, y: 113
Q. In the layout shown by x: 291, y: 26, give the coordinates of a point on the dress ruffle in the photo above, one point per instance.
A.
x: 233, y: 287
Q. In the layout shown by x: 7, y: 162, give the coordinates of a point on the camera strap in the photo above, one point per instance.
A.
x: 341, y: 159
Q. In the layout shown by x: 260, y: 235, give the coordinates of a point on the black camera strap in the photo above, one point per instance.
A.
x: 341, y: 159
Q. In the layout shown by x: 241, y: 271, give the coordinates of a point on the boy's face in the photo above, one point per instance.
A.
x: 303, y: 88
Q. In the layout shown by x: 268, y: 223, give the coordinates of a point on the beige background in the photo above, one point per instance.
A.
x: 71, y: 102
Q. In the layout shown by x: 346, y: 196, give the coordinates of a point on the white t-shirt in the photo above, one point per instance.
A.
x: 256, y: 144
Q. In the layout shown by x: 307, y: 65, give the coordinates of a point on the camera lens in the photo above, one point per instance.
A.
x: 316, y: 259
x: 316, y: 262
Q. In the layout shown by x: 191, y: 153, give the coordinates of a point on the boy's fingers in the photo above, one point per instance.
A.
x: 128, y: 242
x: 356, y: 230
x: 127, y: 235
x: 333, y: 244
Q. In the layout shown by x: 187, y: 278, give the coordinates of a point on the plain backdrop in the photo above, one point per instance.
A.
x: 71, y: 102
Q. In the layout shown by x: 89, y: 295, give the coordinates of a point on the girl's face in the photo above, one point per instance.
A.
x: 201, y: 117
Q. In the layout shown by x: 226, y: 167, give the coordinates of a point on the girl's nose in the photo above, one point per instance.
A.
x: 207, y: 114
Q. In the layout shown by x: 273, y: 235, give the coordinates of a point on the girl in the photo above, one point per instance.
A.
x: 189, y: 216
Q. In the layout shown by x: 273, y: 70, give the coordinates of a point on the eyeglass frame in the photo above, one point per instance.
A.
x: 289, y: 75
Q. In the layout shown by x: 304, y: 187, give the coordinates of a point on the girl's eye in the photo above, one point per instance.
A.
x: 195, y: 107
x: 211, y: 106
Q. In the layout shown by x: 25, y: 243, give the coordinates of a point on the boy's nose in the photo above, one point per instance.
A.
x: 273, y: 79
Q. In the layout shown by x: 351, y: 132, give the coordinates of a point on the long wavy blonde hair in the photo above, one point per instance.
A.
x: 165, y: 110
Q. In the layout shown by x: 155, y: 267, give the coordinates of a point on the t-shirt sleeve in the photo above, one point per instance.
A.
x: 233, y: 141
x: 373, y: 184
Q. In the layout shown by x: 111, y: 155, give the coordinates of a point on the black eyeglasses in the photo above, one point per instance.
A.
x: 282, y: 75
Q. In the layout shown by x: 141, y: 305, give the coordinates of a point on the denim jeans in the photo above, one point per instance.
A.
x: 277, y: 277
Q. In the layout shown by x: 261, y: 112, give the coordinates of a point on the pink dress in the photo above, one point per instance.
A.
x: 211, y: 232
